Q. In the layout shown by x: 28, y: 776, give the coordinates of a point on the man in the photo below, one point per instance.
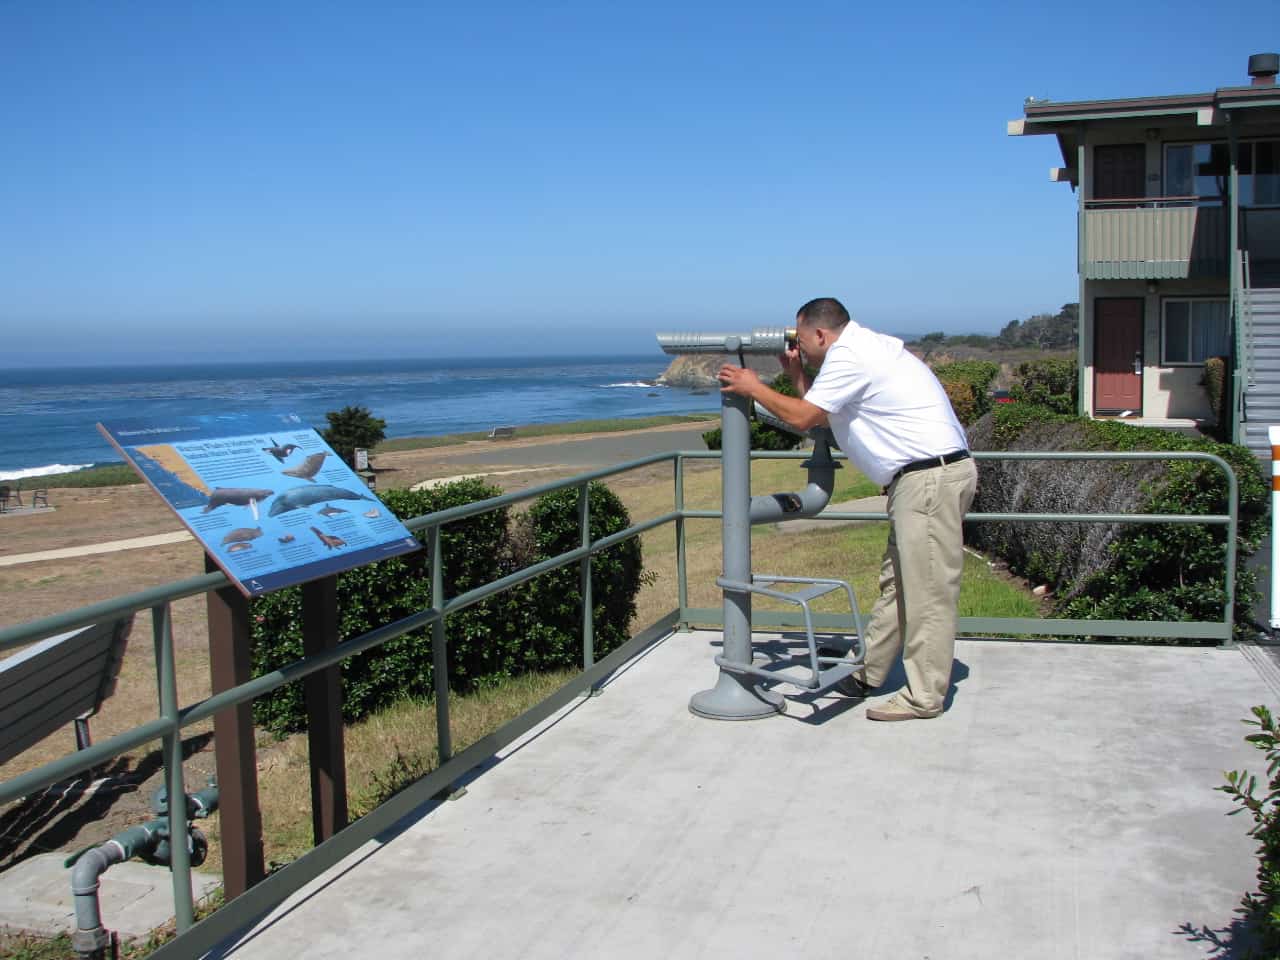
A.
x: 891, y: 417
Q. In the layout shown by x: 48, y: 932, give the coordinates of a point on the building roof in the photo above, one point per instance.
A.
x: 1214, y: 109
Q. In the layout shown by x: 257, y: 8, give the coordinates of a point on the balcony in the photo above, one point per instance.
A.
x: 1169, y: 238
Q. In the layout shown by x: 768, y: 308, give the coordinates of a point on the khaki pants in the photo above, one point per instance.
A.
x: 916, y: 611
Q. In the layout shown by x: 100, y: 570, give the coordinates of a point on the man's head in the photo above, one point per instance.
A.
x: 818, y: 325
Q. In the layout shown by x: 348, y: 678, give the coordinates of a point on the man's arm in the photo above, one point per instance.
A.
x: 794, y: 411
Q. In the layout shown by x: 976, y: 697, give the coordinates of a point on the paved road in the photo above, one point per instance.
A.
x: 598, y: 451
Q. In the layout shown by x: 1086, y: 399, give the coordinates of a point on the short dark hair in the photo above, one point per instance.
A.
x: 826, y: 312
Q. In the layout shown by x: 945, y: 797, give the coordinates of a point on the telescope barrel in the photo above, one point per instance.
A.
x: 767, y: 340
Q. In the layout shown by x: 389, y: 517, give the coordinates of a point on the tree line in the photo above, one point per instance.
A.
x: 1045, y: 331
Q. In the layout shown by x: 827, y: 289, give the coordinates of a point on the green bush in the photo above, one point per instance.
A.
x: 1215, y: 381
x: 383, y: 592
x: 978, y: 374
x: 553, y: 629
x: 764, y: 436
x: 1262, y: 909
x: 533, y: 627
x: 1051, y: 383
x: 1117, y: 571
x: 964, y: 400
x: 351, y: 428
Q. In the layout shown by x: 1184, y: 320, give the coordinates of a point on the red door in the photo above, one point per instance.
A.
x: 1117, y: 354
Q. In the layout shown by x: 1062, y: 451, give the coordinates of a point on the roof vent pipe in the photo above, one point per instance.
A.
x: 1263, y: 67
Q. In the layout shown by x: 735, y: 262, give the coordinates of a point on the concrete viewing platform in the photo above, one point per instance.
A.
x: 1063, y: 806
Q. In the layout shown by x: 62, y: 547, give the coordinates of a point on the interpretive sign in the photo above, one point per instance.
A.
x: 269, y: 499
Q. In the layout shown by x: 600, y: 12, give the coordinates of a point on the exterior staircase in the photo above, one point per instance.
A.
x: 1262, y: 371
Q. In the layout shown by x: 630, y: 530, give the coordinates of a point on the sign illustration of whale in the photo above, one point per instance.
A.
x: 299, y: 497
x: 239, y: 496
x: 308, y: 468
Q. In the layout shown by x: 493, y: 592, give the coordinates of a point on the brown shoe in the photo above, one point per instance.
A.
x: 895, y: 709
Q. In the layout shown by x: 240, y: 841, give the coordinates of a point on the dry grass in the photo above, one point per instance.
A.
x: 384, y: 753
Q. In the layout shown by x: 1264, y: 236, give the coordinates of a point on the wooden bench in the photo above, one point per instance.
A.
x: 502, y: 433
x: 59, y: 680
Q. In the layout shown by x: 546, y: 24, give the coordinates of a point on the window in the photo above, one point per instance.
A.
x: 1194, y: 331
x: 1203, y: 170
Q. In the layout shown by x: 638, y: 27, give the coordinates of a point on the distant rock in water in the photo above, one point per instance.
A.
x: 698, y: 371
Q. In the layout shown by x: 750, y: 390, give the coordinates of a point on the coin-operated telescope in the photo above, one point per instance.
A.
x: 739, y: 693
x: 766, y: 340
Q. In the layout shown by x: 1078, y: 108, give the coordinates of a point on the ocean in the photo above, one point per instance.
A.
x: 48, y: 415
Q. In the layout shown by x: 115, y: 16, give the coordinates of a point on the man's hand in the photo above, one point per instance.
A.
x: 739, y: 380
x: 792, y: 364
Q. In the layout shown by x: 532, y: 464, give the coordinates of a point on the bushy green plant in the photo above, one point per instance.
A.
x: 977, y: 375
x: 553, y: 629
x: 764, y: 436
x: 978, y: 372
x: 1263, y: 907
x: 1118, y: 571
x: 380, y: 593
x: 964, y: 400
x: 1215, y: 382
x: 533, y: 627
x: 353, y: 427
x: 1051, y: 383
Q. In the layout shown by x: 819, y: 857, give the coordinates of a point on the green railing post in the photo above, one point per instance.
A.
x: 584, y: 576
x: 171, y: 752
x: 682, y: 583
x: 439, y: 647
x: 1233, y: 510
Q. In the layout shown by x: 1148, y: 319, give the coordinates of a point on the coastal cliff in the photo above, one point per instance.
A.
x: 698, y: 371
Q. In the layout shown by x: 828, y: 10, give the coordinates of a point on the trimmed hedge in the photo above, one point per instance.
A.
x: 1052, y: 383
x: 967, y: 383
x: 535, y: 626
x: 1117, y: 571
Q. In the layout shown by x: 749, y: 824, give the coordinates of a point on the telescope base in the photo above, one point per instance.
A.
x: 736, y: 698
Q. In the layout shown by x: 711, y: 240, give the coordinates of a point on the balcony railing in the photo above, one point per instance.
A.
x: 1166, y: 238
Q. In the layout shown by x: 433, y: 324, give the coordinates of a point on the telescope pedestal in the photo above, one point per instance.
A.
x: 736, y: 696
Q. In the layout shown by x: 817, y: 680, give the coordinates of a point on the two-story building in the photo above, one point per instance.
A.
x: 1179, y: 249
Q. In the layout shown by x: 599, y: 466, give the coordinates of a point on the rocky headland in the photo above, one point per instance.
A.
x: 698, y: 371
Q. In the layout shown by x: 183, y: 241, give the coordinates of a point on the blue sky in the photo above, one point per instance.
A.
x: 237, y: 181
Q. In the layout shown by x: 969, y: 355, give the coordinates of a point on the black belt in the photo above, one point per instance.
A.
x: 955, y: 456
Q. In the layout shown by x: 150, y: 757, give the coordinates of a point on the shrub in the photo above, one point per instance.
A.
x: 1262, y: 908
x: 764, y: 436
x: 1051, y: 383
x: 1117, y: 571
x: 380, y: 593
x: 1215, y: 381
x: 964, y: 400
x: 533, y: 627
x: 553, y: 631
x: 353, y: 427
x: 980, y: 373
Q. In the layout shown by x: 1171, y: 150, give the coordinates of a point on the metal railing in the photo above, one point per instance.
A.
x: 195, y: 938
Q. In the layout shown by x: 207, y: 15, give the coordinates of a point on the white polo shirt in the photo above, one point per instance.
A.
x: 885, y: 407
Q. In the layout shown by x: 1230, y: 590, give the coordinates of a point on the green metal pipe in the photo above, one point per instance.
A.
x: 440, y: 648
x: 682, y: 586
x: 584, y: 576
x: 171, y: 751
